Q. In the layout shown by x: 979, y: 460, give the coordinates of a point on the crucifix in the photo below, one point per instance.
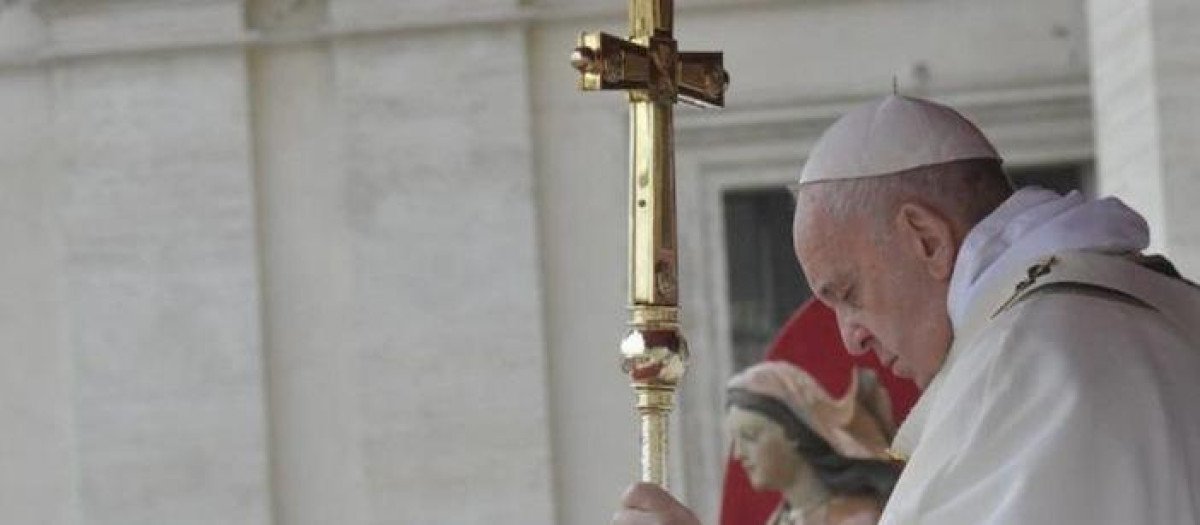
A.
x: 650, y: 68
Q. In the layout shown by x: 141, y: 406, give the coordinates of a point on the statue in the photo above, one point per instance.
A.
x: 827, y: 456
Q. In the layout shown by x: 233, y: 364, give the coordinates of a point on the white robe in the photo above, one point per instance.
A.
x: 1075, y: 403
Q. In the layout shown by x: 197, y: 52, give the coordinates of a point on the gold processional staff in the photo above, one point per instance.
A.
x: 655, y: 74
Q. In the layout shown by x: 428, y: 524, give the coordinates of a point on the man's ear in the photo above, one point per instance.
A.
x: 929, y: 236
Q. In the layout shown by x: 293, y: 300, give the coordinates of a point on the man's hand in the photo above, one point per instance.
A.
x: 649, y: 504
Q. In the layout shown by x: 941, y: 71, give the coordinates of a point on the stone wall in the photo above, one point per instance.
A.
x: 265, y: 275
x: 1147, y: 105
x: 363, y: 261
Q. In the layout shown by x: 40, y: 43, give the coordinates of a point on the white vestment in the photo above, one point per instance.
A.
x: 1071, y: 395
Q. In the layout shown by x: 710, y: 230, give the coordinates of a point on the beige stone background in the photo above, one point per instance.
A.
x: 315, y: 262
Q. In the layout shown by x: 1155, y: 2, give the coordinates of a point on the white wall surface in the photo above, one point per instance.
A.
x: 363, y: 261
x: 1147, y: 105
x: 37, y: 445
x: 158, y: 272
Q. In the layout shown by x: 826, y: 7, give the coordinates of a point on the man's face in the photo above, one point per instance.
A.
x: 885, y: 300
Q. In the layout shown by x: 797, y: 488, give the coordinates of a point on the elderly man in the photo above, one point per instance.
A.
x: 1060, y: 367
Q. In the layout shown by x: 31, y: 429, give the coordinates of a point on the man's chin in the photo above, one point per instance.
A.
x: 921, y: 380
x: 904, y: 372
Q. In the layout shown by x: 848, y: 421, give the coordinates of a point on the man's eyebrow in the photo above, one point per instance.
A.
x: 828, y: 290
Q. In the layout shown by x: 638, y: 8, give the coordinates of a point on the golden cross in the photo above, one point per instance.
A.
x: 656, y: 75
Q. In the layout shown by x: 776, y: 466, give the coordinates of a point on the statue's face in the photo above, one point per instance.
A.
x: 764, y: 450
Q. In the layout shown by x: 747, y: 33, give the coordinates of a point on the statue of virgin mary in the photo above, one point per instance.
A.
x: 827, y: 456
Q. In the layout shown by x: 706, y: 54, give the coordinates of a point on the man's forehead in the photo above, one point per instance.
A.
x: 814, y: 219
x: 807, y: 231
x: 825, y: 247
x: 819, y: 240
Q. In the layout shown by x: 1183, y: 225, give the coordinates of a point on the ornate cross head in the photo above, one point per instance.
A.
x: 649, y: 64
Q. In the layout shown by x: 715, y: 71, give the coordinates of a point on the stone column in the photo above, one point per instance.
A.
x: 1145, y: 58
x: 37, y: 446
x: 315, y: 440
x: 159, y: 262
x: 447, y: 330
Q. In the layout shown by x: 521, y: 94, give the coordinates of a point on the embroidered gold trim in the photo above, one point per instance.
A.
x: 1035, y: 272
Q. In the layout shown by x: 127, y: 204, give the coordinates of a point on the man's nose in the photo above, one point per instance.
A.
x: 854, y: 336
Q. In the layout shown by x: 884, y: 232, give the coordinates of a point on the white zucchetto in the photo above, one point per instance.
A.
x: 894, y: 134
